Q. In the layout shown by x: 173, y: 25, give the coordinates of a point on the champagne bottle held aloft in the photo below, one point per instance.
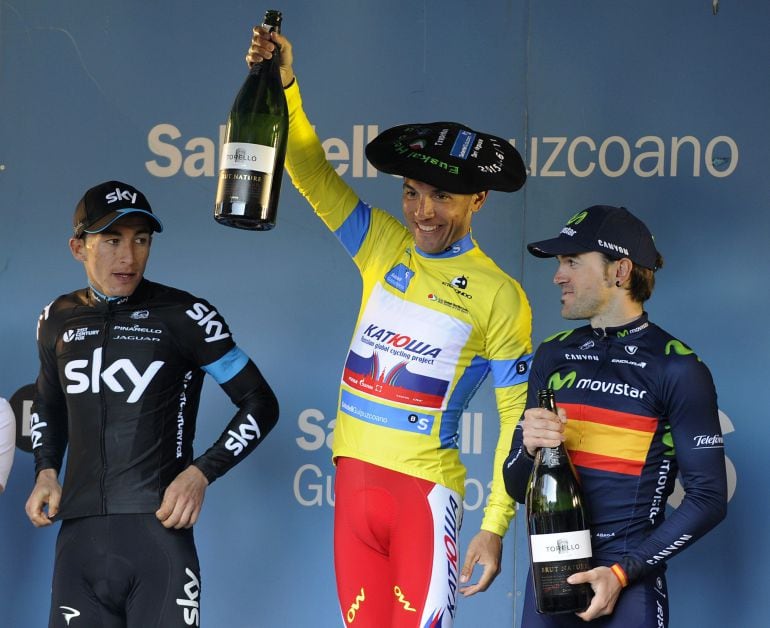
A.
x: 251, y: 164
x: 559, y: 535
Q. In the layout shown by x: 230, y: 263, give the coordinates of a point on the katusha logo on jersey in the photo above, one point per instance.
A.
x: 403, y: 342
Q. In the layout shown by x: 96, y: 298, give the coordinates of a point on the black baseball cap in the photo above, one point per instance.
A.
x: 449, y: 156
x: 614, y: 231
x: 103, y: 204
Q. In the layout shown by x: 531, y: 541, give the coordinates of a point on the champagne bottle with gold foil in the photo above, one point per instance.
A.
x: 251, y: 164
x: 559, y: 535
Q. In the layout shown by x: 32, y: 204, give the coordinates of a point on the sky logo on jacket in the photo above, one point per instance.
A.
x: 205, y: 317
x: 85, y: 375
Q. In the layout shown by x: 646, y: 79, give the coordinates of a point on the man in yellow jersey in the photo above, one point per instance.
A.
x: 437, y: 316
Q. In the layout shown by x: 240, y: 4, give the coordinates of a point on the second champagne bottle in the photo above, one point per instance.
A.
x: 559, y: 535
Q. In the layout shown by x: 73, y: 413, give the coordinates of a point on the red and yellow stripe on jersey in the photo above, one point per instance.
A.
x: 608, y: 440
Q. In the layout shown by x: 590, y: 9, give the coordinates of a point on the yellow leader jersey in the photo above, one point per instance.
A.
x: 430, y: 329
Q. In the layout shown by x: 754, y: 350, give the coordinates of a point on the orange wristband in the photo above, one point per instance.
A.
x: 620, y: 574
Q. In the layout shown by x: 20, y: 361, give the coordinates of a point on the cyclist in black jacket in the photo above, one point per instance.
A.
x: 122, y: 364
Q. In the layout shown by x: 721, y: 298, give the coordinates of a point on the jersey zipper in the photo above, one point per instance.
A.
x: 103, y: 426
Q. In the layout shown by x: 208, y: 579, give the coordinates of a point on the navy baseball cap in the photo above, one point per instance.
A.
x: 614, y: 231
x: 105, y: 203
x: 449, y: 156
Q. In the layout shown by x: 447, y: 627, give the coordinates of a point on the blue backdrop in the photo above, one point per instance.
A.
x: 659, y: 106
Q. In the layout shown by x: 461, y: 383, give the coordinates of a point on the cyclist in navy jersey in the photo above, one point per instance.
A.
x: 122, y: 364
x: 636, y: 407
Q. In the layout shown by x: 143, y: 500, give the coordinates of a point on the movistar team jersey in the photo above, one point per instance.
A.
x: 429, y: 330
x: 641, y: 407
x: 119, y: 384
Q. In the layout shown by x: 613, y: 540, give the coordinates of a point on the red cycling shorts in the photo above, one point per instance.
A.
x: 395, y: 548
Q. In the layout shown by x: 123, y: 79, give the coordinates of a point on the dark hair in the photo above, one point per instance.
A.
x: 643, y: 280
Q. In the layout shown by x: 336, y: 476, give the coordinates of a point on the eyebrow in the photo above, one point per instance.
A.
x: 140, y: 231
x: 433, y: 191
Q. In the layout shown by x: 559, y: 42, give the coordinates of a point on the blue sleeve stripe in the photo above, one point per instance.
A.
x: 228, y: 366
x: 511, y: 372
x: 352, y: 232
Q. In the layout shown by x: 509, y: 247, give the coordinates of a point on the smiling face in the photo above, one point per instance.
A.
x: 438, y: 219
x: 115, y: 259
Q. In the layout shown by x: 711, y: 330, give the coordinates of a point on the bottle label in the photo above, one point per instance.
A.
x: 547, y: 548
x: 551, y: 457
x: 243, y: 156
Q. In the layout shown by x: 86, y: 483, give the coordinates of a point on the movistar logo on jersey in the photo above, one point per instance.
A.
x: 401, y: 341
x: 668, y: 441
x: 678, y: 347
x: 557, y: 381
x: 560, y: 335
x: 662, y: 490
x: 612, y: 388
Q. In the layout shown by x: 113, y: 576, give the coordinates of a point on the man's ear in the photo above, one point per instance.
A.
x: 623, y: 271
x: 78, y: 248
x: 478, y: 199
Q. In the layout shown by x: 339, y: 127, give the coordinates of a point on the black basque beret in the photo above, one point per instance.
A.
x: 449, y: 156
